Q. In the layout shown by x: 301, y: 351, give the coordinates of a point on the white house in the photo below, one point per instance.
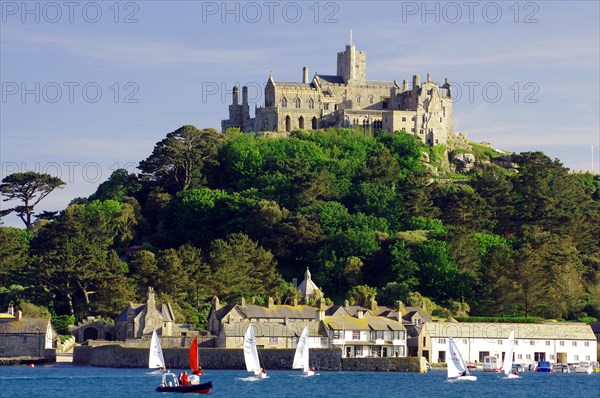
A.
x: 561, y: 342
x: 367, y: 336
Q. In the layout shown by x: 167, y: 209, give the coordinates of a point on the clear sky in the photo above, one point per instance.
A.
x: 91, y: 86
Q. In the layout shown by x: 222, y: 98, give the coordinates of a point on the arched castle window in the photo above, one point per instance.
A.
x: 288, y: 123
x: 301, y: 122
x: 297, y: 102
x: 358, y: 99
x: 284, y: 102
x: 314, y: 123
x: 311, y: 103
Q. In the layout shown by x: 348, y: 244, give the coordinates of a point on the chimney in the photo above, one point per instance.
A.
x: 428, y: 76
x: 359, y: 314
x: 305, y: 75
x: 321, y: 304
x: 346, y: 304
x: 244, y: 95
x: 405, y: 85
x: 423, y: 305
x: 243, y: 301
x: 399, y: 310
x: 416, y: 82
x: 215, y: 303
x: 373, y: 305
x: 270, y: 303
x: 236, y: 94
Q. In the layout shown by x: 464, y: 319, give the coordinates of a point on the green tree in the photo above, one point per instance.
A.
x: 178, y: 161
x: 240, y: 267
x: 361, y: 295
x: 353, y: 271
x: 119, y: 185
x: 29, y: 188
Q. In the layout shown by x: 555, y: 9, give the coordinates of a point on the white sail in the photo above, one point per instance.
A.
x: 250, y: 352
x: 507, y: 365
x: 456, y: 365
x: 301, y: 356
x: 156, y: 359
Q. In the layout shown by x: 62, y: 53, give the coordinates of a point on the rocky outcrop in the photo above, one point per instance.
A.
x: 463, y: 162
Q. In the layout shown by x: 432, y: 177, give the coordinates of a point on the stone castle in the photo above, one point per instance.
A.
x: 348, y: 99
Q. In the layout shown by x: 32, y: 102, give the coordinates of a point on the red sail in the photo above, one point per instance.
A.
x: 194, y: 363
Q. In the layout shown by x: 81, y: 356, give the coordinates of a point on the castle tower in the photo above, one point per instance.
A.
x: 305, y: 75
x: 352, y: 65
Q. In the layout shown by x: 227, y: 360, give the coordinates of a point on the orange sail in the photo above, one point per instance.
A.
x: 194, y: 362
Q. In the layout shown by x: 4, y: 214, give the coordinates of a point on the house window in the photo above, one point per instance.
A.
x: 412, y: 130
x: 539, y: 356
x: 326, y: 106
x: 377, y: 335
x: 337, y: 334
x: 528, y: 356
x: 376, y: 352
x: 552, y: 357
x: 519, y: 356
x: 356, y: 335
x: 417, y: 321
x: 324, y: 341
x: 532, y: 342
x: 358, y: 351
x: 273, y: 340
x: 576, y: 357
x: 442, y: 341
x: 561, y: 343
x: 483, y: 354
x: 284, y: 102
x: 297, y: 102
x: 499, y: 342
x: 414, y: 118
x: 587, y: 357
x: 465, y: 341
x: 442, y: 357
x: 574, y: 344
x: 424, y: 340
x: 311, y: 104
x: 547, y: 342
x: 587, y: 343
x: 384, y: 105
x: 403, y: 118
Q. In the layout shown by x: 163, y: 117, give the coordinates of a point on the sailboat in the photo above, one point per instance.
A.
x: 170, y: 381
x: 251, y: 354
x: 156, y: 360
x: 457, y: 369
x: 301, y: 355
x: 507, y: 364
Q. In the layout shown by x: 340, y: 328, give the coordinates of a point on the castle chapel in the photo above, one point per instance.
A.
x: 348, y: 99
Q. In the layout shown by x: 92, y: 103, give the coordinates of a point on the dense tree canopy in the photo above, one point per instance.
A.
x: 237, y: 215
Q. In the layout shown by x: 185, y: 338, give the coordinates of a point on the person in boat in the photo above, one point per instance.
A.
x: 464, y: 373
x: 516, y: 372
x: 263, y: 371
x: 184, y: 379
x: 312, y: 368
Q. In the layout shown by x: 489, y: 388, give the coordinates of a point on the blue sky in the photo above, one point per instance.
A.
x: 88, y: 87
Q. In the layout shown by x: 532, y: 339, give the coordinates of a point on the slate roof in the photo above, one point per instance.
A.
x: 351, y: 310
x: 164, y: 309
x: 270, y: 329
x: 366, y: 323
x: 25, y: 326
x: 279, y: 311
x: 331, y: 79
x: 525, y: 331
x: 385, y: 83
x: 292, y: 84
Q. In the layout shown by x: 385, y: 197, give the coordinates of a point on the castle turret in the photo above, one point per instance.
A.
x: 352, y: 65
x: 405, y: 85
x: 245, y: 96
x: 236, y: 93
x: 416, y: 82
x: 305, y: 75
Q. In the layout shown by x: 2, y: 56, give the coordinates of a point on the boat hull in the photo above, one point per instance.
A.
x: 203, y: 388
x: 463, y: 378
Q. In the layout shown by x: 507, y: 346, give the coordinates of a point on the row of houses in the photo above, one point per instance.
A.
x: 376, y: 331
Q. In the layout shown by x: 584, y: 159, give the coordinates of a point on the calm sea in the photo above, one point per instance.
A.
x: 71, y: 381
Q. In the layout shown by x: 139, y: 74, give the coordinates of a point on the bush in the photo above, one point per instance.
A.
x: 61, y: 323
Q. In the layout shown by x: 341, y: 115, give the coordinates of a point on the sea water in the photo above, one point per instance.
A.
x: 69, y: 381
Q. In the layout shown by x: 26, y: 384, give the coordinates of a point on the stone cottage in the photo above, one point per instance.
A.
x: 27, y: 337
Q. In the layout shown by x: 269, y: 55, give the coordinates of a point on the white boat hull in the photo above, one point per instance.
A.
x: 463, y: 378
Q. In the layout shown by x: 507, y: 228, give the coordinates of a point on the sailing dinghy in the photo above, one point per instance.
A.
x: 301, y: 355
x: 251, y: 354
x: 507, y: 365
x: 156, y: 360
x: 170, y: 382
x: 457, y: 369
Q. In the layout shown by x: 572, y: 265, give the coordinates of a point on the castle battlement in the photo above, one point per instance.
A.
x: 348, y: 99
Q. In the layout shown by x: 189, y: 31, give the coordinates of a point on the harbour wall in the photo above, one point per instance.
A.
x: 119, y: 356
